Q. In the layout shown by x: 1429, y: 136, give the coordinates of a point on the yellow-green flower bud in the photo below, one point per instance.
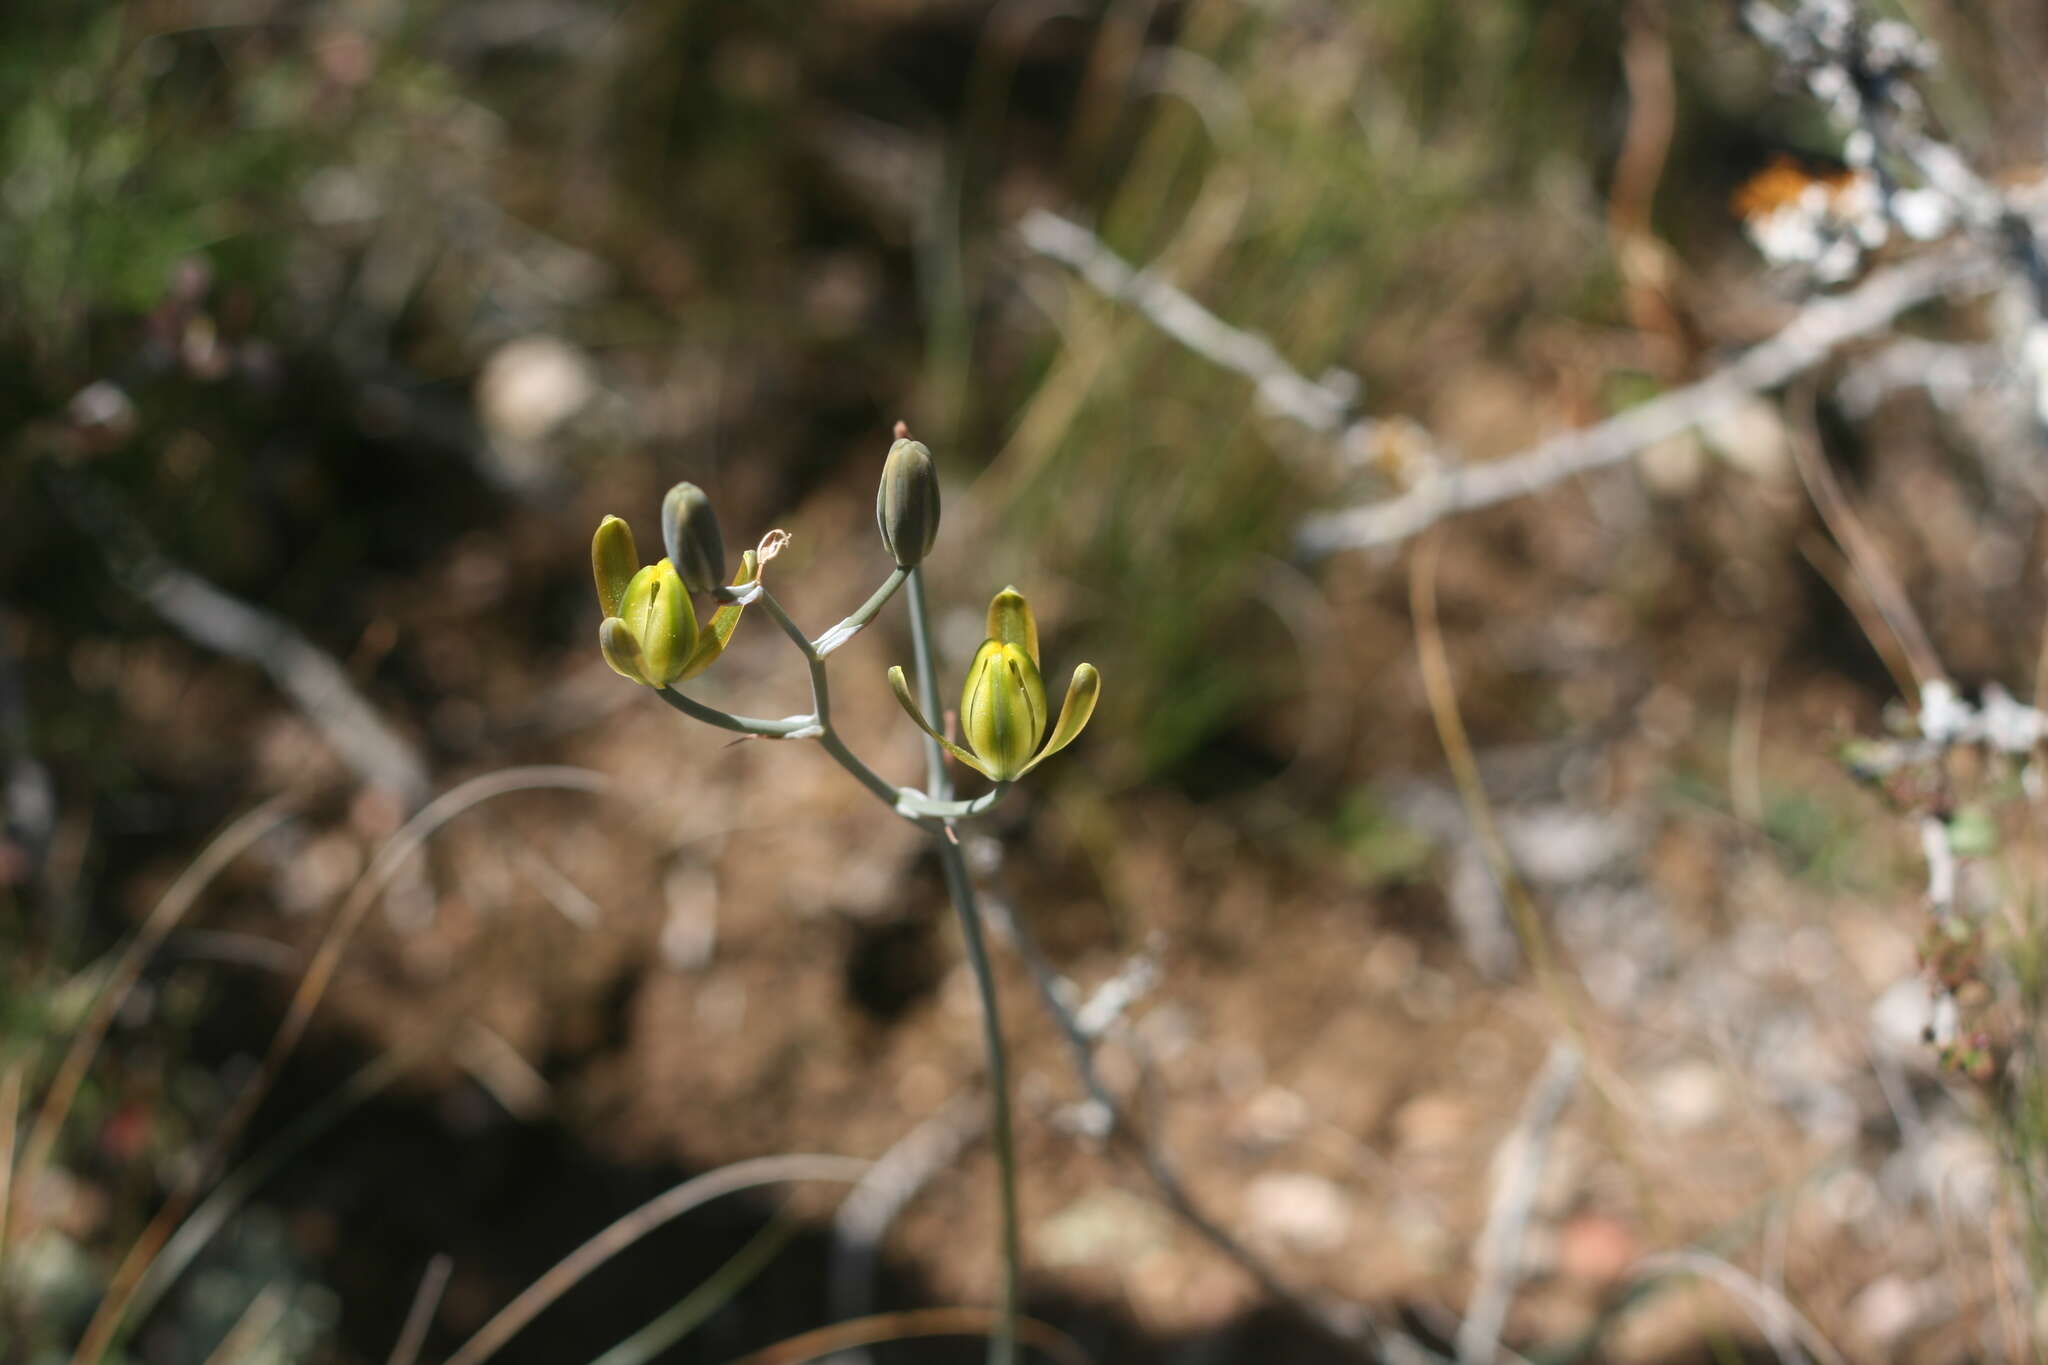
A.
x: 1002, y: 708
x: 614, y: 559
x: 689, y: 531
x: 656, y: 611
x: 907, y: 503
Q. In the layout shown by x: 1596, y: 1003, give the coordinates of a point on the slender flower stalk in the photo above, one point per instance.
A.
x: 1002, y: 1346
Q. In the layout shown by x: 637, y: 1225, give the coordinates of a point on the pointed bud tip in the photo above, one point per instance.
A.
x: 1011, y: 621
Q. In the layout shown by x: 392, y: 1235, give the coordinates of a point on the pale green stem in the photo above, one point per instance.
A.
x: 1002, y: 1345
x: 821, y: 707
x: 935, y: 812
x: 912, y: 805
x: 935, y: 779
x: 854, y: 624
x: 744, y: 725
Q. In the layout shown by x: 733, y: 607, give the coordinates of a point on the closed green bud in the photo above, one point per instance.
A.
x: 907, y: 503
x: 656, y: 612
x: 689, y: 531
x: 614, y: 559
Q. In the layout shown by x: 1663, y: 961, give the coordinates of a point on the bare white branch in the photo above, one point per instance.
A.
x: 1517, y: 1172
x: 208, y: 616
x: 1809, y: 338
x: 1324, y: 406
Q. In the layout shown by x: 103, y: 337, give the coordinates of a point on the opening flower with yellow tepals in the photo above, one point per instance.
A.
x: 1002, y: 709
x: 650, y: 632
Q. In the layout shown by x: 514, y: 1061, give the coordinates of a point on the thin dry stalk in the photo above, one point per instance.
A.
x: 1746, y: 744
x: 220, y: 853
x: 1865, y: 555
x: 105, y: 1324
x: 1828, y: 560
x: 2041, y: 671
x: 420, y: 1317
x: 664, y: 1208
x: 908, y: 1326
x: 1784, y: 1326
x: 1441, y: 689
x: 896, y: 1178
x: 238, y: 1185
x: 10, y: 1114
x: 2004, y: 1265
x: 257, y: 1322
x: 1518, y: 1167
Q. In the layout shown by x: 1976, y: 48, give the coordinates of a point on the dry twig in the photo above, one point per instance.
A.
x: 1805, y: 341
x: 420, y: 1316
x: 1518, y: 1171
x: 884, y: 1192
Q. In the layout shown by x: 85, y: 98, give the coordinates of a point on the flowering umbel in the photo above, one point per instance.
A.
x: 1002, y: 708
x: 650, y: 632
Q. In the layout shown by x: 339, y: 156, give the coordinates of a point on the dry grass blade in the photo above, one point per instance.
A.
x: 240, y: 835
x: 1827, y: 559
x: 699, y: 1304
x: 923, y: 1322
x: 895, y: 1179
x: 663, y: 1208
x: 226, y: 1198
x: 1442, y: 692
x: 1519, y: 1164
x: 1557, y: 986
x: 1780, y: 1321
x: 10, y: 1112
x: 257, y: 1322
x: 1862, y: 548
x: 106, y: 1322
x: 420, y: 1316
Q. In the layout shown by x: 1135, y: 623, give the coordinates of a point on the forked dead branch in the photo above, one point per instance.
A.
x: 1966, y: 237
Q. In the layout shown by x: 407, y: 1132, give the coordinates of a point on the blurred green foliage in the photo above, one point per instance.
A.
x: 126, y: 152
